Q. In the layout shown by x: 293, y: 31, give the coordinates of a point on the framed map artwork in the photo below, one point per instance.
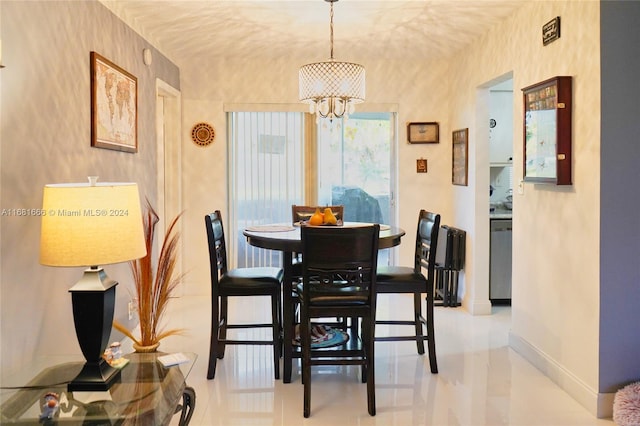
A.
x: 114, y: 106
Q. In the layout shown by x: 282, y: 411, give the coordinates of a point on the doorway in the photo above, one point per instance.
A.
x: 501, y: 143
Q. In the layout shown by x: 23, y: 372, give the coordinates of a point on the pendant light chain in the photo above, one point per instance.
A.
x: 331, y: 88
x: 331, y: 29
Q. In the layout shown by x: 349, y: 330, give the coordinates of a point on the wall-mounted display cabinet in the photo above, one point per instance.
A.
x: 547, y: 132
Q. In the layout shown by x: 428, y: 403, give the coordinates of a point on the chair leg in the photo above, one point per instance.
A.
x: 305, y: 340
x: 213, y: 346
x: 355, y: 327
x: 447, y: 288
x: 224, y: 303
x: 275, y: 330
x: 454, y: 288
x: 288, y: 314
x: 368, y: 333
x: 288, y: 319
x: 417, y: 312
x: 364, y: 370
x: 431, y: 342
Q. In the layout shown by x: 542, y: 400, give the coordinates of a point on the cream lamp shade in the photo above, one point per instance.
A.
x: 91, y: 224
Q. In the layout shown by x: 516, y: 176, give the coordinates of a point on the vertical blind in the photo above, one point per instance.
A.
x: 266, y: 176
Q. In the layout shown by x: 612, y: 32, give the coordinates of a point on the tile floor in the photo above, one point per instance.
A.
x: 480, y: 382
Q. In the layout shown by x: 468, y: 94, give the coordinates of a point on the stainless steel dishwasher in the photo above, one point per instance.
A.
x: 500, y: 261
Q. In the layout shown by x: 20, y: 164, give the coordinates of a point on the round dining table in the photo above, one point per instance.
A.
x: 286, y: 238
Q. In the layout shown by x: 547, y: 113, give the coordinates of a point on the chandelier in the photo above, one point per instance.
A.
x: 331, y: 88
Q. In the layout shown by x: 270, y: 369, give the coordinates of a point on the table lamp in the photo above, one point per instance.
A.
x: 92, y: 224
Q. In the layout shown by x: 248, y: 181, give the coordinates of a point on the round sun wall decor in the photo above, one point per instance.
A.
x: 203, y: 134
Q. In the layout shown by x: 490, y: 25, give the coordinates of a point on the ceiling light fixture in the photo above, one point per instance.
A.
x: 332, y: 88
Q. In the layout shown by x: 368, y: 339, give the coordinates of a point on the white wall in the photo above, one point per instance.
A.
x: 556, y: 229
x: 45, y: 138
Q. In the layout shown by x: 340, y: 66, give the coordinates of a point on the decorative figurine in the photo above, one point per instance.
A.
x: 116, y: 352
x: 113, y: 355
x: 50, y: 406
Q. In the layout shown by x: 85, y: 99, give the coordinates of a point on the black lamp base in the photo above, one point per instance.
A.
x: 93, y: 299
x: 94, y: 377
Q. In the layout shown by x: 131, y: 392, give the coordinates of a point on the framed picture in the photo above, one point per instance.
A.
x: 114, y: 106
x: 547, y: 132
x: 423, y: 132
x: 421, y: 165
x: 460, y: 160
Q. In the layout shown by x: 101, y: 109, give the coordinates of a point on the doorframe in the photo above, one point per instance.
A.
x: 168, y: 159
x: 480, y: 303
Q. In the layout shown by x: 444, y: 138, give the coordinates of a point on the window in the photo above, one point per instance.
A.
x: 277, y: 159
x: 266, y: 176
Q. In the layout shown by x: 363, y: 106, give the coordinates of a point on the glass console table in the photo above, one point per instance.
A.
x: 147, y: 393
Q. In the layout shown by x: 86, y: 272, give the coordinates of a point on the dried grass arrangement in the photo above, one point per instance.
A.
x: 154, y: 289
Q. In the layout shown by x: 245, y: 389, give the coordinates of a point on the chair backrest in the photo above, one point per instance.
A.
x: 345, y: 258
x: 217, y: 246
x: 426, y: 245
x: 303, y: 213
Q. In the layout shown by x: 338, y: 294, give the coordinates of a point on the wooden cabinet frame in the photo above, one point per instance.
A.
x: 547, y: 131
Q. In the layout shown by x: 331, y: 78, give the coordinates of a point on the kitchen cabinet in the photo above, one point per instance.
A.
x: 501, y: 127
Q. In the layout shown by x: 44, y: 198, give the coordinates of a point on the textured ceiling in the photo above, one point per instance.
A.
x: 185, y: 30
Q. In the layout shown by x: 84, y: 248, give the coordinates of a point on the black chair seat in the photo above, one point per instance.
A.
x: 398, y: 279
x: 334, y: 295
x: 252, y: 277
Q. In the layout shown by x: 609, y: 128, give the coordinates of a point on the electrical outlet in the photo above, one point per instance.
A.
x: 132, y: 309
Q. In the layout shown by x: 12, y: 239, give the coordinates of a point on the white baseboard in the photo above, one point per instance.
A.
x: 598, y: 404
x: 478, y: 307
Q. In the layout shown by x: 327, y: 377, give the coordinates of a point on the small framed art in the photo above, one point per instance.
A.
x: 460, y: 160
x: 421, y: 165
x: 114, y: 106
x: 428, y: 132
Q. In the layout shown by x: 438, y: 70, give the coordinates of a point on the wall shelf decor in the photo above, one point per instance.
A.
x: 427, y: 132
x: 203, y: 134
x: 460, y: 157
x: 547, y: 132
x: 114, y: 106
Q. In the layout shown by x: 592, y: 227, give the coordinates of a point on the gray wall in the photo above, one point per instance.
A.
x: 45, y: 138
x: 620, y: 207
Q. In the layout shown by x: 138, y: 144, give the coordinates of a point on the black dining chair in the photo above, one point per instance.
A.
x: 301, y: 214
x: 339, y: 280
x: 238, y: 282
x: 412, y: 280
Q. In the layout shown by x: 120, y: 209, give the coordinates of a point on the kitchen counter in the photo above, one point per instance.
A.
x: 501, y: 214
